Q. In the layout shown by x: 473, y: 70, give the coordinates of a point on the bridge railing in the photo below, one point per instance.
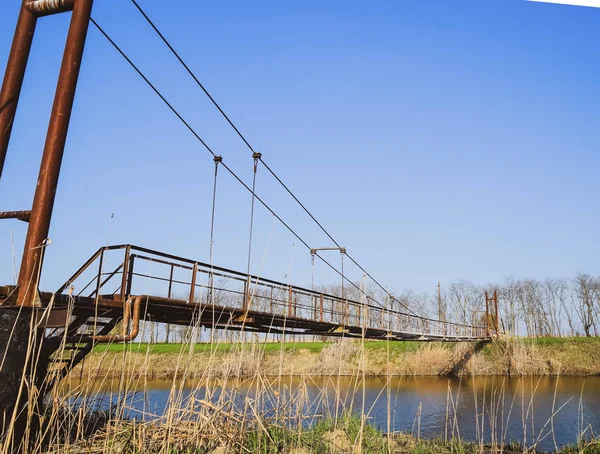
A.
x: 119, y: 271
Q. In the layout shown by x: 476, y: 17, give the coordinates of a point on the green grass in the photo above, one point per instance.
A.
x: 314, y: 440
x: 591, y: 448
x: 271, y: 347
x: 176, y: 348
x: 396, y: 347
x: 543, y: 341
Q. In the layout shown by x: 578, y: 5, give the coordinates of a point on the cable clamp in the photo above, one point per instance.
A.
x: 218, y: 159
x: 256, y: 155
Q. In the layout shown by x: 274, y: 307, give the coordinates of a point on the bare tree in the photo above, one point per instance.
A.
x: 585, y: 290
x: 508, y: 305
x: 466, y: 301
x: 554, y: 295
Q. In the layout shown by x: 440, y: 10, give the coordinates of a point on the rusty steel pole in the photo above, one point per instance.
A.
x: 487, y: 313
x: 43, y: 201
x: 497, y: 325
x: 14, y: 75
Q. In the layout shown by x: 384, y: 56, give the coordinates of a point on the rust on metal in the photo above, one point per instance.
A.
x: 497, y: 325
x: 125, y: 277
x: 13, y: 77
x: 124, y: 337
x: 247, y: 293
x: 43, y: 201
x: 193, y: 283
x: 283, y: 308
x: 346, y: 312
x: 129, y: 281
x: 20, y: 215
x: 99, y: 277
x: 492, y: 324
x: 487, y: 312
x: 56, y: 318
x: 242, y: 319
x: 170, y: 281
x: 80, y: 270
x: 321, y: 307
x: 106, y: 279
x: 46, y: 7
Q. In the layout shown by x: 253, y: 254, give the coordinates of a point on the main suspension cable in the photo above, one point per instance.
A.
x: 191, y: 73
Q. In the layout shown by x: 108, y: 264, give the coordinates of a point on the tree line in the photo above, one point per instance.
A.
x: 527, y: 307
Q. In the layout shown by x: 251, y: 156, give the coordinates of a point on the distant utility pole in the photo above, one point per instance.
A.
x: 441, y: 308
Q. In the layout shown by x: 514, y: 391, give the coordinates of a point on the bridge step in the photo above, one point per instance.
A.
x: 67, y: 356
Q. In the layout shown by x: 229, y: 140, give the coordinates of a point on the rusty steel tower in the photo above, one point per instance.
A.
x: 40, y: 214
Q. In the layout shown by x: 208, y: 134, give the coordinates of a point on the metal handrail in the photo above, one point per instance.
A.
x: 323, y: 307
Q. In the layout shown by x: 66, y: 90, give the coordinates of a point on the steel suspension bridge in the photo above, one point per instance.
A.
x: 106, y: 290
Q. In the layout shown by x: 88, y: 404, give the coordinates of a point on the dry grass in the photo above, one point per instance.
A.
x: 263, y: 411
x: 530, y: 357
x: 506, y: 357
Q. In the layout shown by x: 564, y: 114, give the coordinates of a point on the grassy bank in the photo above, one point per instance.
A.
x: 544, y: 356
x: 299, y: 415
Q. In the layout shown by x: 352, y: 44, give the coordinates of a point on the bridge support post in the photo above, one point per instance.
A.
x: 23, y: 370
x: 14, y: 336
x: 491, y: 323
x: 497, y: 324
x: 246, y: 297
x: 321, y: 307
x: 125, y: 277
x: 13, y: 77
x: 43, y: 201
x: 487, y: 313
x: 24, y: 350
x: 193, y: 283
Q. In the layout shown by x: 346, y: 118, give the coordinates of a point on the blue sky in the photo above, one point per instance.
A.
x: 436, y: 140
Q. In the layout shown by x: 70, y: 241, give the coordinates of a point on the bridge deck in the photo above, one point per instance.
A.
x: 182, y: 291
